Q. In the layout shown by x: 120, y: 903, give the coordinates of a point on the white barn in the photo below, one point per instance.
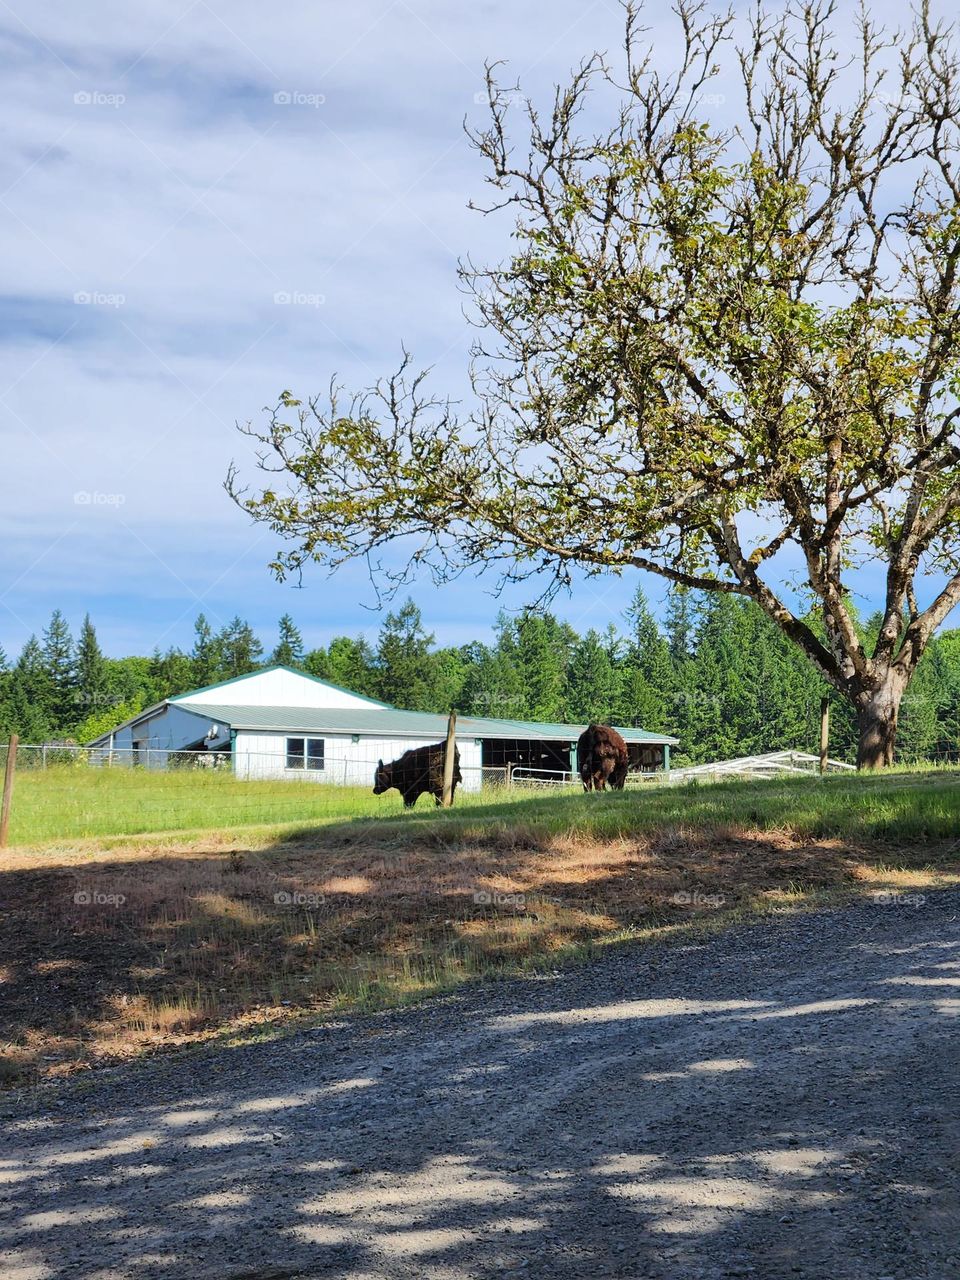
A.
x: 281, y: 723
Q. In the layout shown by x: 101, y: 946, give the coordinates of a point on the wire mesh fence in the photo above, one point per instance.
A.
x: 344, y: 770
x: 65, y: 792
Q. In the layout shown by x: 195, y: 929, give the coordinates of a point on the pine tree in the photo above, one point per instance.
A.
x: 649, y: 678
x: 5, y: 726
x: 539, y: 648
x: 591, y: 682
x: 403, y: 660
x: 289, y: 650
x: 239, y: 649
x: 30, y: 696
x: 59, y: 660
x: 91, y: 693
x: 945, y: 662
x: 492, y: 685
x: 680, y: 624
x: 918, y: 722
x: 738, y: 688
x: 206, y: 657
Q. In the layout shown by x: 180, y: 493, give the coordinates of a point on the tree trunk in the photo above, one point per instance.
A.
x: 877, y: 713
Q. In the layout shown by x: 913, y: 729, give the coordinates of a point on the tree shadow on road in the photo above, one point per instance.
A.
x: 732, y: 1108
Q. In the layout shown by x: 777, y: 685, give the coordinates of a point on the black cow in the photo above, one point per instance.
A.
x: 603, y: 758
x: 417, y: 771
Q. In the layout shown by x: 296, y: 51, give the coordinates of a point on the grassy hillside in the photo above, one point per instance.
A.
x: 112, y: 947
x: 66, y: 804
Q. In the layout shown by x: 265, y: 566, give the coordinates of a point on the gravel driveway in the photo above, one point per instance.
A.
x: 780, y: 1101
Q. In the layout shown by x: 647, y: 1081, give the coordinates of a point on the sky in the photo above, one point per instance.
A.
x: 203, y: 204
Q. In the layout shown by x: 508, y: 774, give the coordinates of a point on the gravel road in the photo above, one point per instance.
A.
x: 780, y: 1101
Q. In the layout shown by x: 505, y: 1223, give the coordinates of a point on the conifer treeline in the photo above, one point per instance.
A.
x: 717, y: 675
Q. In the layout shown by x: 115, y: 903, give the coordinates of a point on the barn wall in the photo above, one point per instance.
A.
x: 172, y: 728
x: 259, y: 754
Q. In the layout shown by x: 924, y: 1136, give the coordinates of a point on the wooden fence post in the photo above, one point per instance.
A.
x: 824, y: 733
x: 8, y: 789
x: 449, y: 760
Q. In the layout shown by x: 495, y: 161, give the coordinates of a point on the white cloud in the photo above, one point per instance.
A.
x: 150, y: 167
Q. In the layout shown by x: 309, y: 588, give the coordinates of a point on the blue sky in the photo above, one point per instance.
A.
x: 170, y: 169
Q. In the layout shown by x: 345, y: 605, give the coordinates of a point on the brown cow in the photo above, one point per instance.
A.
x: 603, y: 758
x: 417, y: 771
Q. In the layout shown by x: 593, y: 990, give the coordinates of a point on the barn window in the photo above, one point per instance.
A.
x: 305, y: 753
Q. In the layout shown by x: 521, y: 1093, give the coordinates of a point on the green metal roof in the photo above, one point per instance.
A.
x: 390, y: 723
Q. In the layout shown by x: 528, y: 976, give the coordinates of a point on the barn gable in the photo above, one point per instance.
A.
x: 277, y: 687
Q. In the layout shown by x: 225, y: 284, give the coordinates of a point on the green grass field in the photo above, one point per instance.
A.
x: 74, y: 803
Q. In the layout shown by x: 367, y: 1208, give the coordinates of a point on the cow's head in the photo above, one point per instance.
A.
x: 383, y: 778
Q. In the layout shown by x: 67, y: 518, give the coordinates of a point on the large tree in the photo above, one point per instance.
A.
x: 60, y: 665
x: 347, y: 662
x: 289, y: 650
x: 206, y: 656
x: 723, y: 351
x: 238, y: 648
x: 404, y: 667
x: 91, y: 695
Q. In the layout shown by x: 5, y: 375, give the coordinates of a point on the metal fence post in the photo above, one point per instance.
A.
x: 8, y: 789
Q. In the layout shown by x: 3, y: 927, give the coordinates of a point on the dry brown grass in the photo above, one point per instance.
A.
x: 169, y: 945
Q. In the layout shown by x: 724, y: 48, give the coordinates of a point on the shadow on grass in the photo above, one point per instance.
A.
x: 896, y: 805
x: 118, y: 956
